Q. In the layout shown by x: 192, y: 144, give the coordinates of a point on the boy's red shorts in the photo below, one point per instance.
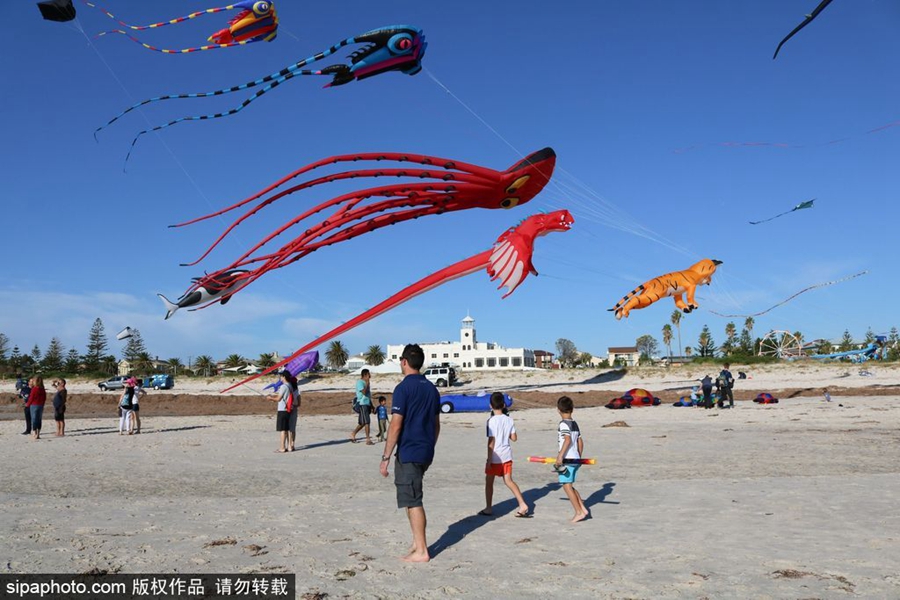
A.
x: 499, y: 469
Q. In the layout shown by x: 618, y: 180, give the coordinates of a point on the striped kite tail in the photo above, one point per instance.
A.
x: 175, y: 51
x: 621, y: 303
x: 193, y: 15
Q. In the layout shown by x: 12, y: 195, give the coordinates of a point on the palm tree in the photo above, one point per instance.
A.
x: 175, y: 364
x: 142, y: 363
x: 204, y: 363
x: 266, y: 360
x: 730, y: 333
x: 688, y: 351
x: 374, y: 356
x: 667, y: 337
x: 337, y: 355
x: 235, y: 360
x: 748, y: 324
x: 109, y: 364
x: 676, y: 321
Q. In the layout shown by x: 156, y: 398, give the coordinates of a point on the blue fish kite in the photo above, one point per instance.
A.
x: 801, y: 206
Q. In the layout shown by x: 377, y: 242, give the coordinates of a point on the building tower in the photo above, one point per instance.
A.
x: 467, y: 333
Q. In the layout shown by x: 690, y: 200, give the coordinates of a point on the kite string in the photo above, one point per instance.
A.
x: 786, y: 300
x: 614, y: 217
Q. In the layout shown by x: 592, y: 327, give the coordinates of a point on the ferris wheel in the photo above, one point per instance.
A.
x: 781, y: 344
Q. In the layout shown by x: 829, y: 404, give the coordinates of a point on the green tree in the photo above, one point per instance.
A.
x: 667, y: 338
x: 134, y: 347
x: 748, y: 325
x: 893, y: 337
x: 53, y: 357
x: 566, y: 352
x: 143, y: 363
x: 204, y: 364
x: 585, y: 358
x: 730, y: 344
x: 15, y: 358
x: 235, y: 360
x: 745, y: 343
x: 870, y: 336
x: 36, y: 355
x: 705, y: 344
x: 374, y: 355
x: 799, y: 336
x: 336, y: 355
x: 825, y: 347
x: 4, y: 347
x: 846, y: 342
x: 646, y: 346
x: 175, y: 364
x: 109, y: 364
x: 676, y: 321
x: 97, y: 346
x: 73, y: 361
x: 266, y: 360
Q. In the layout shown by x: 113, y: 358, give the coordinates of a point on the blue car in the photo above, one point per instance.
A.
x: 480, y: 402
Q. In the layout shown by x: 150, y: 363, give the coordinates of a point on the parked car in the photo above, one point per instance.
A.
x: 441, y: 376
x: 480, y: 402
x: 160, y: 381
x: 113, y: 383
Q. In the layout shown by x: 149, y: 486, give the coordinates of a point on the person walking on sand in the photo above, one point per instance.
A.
x: 571, y: 445
x: 136, y: 403
x: 126, y: 423
x: 414, y: 430
x: 364, y: 401
x: 59, y: 406
x: 500, y: 431
x: 284, y: 398
x: 23, y: 390
x: 37, y: 397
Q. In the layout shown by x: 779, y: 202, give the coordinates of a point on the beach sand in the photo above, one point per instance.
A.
x: 795, y: 500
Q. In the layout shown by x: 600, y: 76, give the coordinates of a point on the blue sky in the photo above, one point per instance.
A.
x: 636, y: 99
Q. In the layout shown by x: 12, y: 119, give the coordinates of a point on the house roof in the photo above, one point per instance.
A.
x: 623, y: 349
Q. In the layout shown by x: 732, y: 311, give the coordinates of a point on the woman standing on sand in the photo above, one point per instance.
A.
x: 59, y: 406
x: 286, y: 398
x: 36, y: 400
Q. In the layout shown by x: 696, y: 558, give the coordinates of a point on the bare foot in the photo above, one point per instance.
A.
x: 280, y: 450
x: 416, y: 557
x: 580, y: 517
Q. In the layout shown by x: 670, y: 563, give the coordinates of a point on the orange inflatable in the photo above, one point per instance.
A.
x: 671, y: 284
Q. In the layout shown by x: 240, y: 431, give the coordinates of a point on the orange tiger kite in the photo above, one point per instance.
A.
x: 671, y: 284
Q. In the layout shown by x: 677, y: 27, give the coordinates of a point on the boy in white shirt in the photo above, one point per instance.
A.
x: 500, y: 431
x: 571, y: 445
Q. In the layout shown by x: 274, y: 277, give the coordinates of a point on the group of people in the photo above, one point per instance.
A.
x: 724, y: 386
x: 34, y: 397
x: 130, y: 407
x: 414, y: 429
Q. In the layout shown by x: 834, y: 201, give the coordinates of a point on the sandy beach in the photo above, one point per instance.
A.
x: 794, y: 500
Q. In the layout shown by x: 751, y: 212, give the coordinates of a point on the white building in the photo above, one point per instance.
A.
x: 469, y: 353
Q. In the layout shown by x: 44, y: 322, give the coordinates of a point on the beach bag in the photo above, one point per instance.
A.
x: 355, y: 405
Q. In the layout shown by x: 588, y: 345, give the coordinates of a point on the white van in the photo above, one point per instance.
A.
x: 440, y: 376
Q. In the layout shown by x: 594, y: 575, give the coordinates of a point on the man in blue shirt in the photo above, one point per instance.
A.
x: 22, y: 390
x: 415, y: 427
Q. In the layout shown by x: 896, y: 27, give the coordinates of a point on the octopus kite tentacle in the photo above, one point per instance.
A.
x: 451, y: 186
x: 393, y: 48
x: 786, y: 300
x: 509, y: 260
x: 809, y: 18
x: 181, y: 50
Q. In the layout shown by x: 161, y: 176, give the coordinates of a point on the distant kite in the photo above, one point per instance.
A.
x: 786, y: 300
x: 394, y: 48
x: 57, y: 10
x: 438, y: 186
x: 805, y: 22
x: 801, y: 206
x: 125, y: 334
x: 508, y: 261
x: 257, y: 22
x: 671, y: 284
